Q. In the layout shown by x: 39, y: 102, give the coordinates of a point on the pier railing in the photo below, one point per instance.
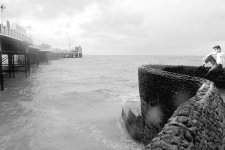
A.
x: 5, y: 31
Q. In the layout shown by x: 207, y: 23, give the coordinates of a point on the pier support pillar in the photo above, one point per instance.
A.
x: 13, y: 65
x: 27, y: 62
x: 10, y: 64
x: 1, y: 69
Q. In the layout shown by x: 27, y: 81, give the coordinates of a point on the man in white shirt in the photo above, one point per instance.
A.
x: 216, y: 64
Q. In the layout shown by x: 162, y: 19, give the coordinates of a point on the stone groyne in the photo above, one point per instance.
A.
x: 178, y: 109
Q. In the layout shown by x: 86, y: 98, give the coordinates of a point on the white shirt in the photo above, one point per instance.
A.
x: 220, y: 57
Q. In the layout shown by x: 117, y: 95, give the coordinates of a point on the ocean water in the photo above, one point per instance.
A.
x: 75, y: 104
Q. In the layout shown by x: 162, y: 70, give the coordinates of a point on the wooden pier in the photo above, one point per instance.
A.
x: 13, y: 44
x: 18, y: 54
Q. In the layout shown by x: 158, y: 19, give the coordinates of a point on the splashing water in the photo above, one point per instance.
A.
x: 154, y: 116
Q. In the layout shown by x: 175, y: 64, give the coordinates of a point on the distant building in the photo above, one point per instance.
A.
x: 74, y: 53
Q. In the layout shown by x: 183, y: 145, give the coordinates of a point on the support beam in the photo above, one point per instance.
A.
x: 27, y: 62
x: 10, y: 65
x: 13, y: 65
x: 1, y: 69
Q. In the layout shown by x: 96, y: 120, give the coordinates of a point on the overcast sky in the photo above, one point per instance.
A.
x: 128, y: 27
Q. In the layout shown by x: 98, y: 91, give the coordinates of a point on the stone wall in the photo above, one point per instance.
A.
x: 217, y: 77
x: 188, y: 110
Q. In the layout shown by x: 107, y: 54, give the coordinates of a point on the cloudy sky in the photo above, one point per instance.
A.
x: 127, y: 27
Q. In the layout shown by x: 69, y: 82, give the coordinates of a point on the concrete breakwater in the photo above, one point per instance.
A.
x: 178, y: 109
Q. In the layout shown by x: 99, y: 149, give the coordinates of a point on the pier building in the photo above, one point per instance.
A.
x: 74, y: 53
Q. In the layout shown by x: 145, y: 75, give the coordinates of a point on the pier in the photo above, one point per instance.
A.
x: 17, y: 54
x: 75, y: 53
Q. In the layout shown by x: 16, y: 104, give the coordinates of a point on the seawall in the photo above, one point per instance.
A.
x: 179, y: 109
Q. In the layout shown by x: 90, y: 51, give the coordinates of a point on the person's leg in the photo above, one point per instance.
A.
x: 220, y: 66
x: 213, y: 69
x: 220, y: 70
x: 214, y: 65
x: 211, y: 60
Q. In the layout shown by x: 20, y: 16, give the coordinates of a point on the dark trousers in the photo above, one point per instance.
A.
x: 215, y: 67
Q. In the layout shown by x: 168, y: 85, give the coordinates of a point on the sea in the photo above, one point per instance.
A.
x: 75, y: 103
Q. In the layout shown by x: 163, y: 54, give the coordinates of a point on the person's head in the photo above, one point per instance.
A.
x: 217, y: 48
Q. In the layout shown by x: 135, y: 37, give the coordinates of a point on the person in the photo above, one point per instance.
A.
x: 217, y: 64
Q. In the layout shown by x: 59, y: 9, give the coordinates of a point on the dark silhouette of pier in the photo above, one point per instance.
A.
x: 17, y: 54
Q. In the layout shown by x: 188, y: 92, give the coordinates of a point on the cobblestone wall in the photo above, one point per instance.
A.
x: 192, y: 110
